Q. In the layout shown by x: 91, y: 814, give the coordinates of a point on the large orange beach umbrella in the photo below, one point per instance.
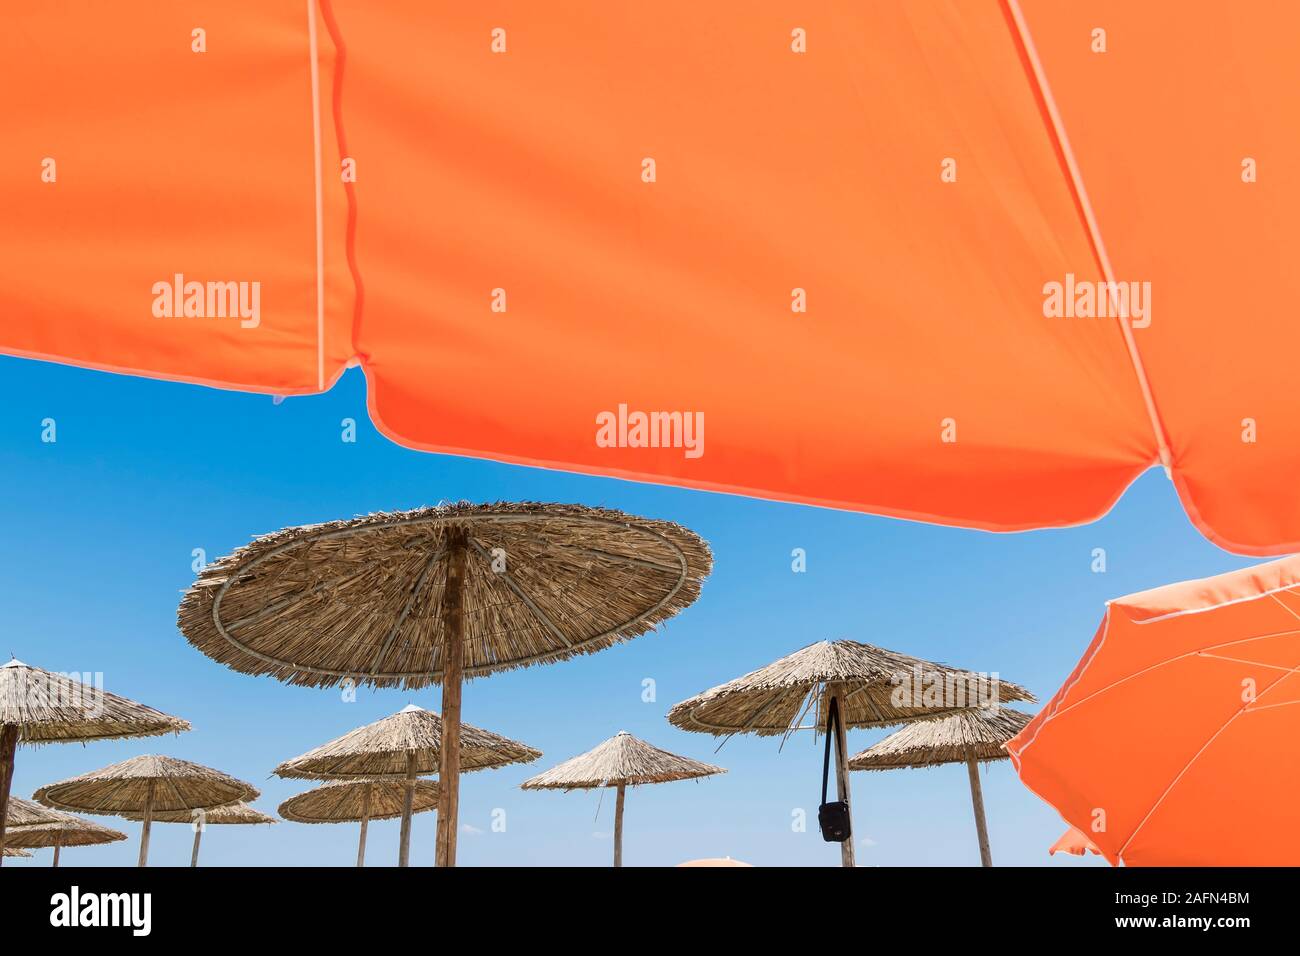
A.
x: 592, y: 236
x: 1185, y: 709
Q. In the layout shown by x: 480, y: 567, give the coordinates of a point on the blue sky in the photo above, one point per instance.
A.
x: 101, y: 526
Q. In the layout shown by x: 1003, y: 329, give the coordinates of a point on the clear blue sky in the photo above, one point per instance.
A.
x: 100, y: 528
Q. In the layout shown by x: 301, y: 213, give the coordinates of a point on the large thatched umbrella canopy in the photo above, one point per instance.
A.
x: 364, y: 799
x: 146, y: 785
x: 440, y: 594
x: 68, y: 831
x: 869, y: 687
x: 407, y: 744
x: 622, y: 761
x: 232, y: 814
x: 39, y: 706
x: 970, y: 737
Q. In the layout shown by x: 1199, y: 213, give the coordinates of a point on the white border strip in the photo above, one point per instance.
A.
x: 320, y: 215
x: 1090, y: 220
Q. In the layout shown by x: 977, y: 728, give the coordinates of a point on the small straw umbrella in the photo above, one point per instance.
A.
x: 364, y: 799
x: 622, y: 761
x: 408, y: 744
x: 971, y: 737
x: 438, y: 595
x: 1074, y: 842
x: 69, y: 831
x: 39, y: 707
x: 26, y: 813
x: 870, y: 686
x: 146, y: 785
x: 15, y: 853
x: 233, y: 814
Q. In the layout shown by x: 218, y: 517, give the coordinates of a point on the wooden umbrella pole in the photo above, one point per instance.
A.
x: 618, y: 825
x: 837, y: 692
x: 198, y: 836
x: 977, y: 801
x: 144, y: 828
x: 365, y: 822
x: 453, y: 663
x: 57, y: 847
x: 8, y: 745
x: 408, y: 805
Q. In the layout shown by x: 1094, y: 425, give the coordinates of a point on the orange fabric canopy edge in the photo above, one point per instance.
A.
x: 1074, y: 843
x: 1168, y: 743
x: 800, y: 256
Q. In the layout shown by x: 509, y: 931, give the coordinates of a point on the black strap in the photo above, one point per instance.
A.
x: 832, y: 722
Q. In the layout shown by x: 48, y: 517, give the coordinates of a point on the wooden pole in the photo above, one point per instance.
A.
x: 365, y: 822
x: 977, y: 801
x: 453, y: 662
x: 836, y: 692
x: 8, y: 746
x: 58, y: 846
x: 408, y: 805
x: 618, y: 825
x: 144, y: 828
x: 198, y: 836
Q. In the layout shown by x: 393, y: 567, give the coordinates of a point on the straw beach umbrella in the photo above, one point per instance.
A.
x: 69, y: 831
x: 39, y: 706
x: 233, y: 814
x: 146, y: 785
x: 344, y: 801
x: 622, y: 761
x: 25, y: 813
x: 438, y: 595
x: 868, y: 686
x: 15, y: 853
x: 408, y: 744
x: 971, y: 737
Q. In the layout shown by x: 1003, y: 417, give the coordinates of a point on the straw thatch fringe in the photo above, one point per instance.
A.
x: 362, y: 598
x: 13, y: 852
x: 343, y: 801
x: 233, y: 814
x: 623, y: 759
x: 979, y: 735
x: 381, y: 749
x: 72, y: 831
x: 884, y: 688
x: 24, y: 813
x: 47, y: 707
x: 124, y: 788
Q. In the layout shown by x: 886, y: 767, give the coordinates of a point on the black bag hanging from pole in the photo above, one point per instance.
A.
x: 833, y: 818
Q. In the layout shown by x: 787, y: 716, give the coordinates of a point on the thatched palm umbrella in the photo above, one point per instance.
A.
x: 233, y: 814
x: 870, y: 687
x: 68, y: 831
x: 364, y: 799
x: 146, y: 785
x: 408, y: 744
x: 26, y: 813
x: 15, y: 853
x: 438, y: 595
x: 39, y: 706
x: 971, y: 737
x: 622, y: 761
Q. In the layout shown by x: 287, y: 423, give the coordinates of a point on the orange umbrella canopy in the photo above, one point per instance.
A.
x: 1183, y: 710
x: 912, y: 216
x: 1074, y: 843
